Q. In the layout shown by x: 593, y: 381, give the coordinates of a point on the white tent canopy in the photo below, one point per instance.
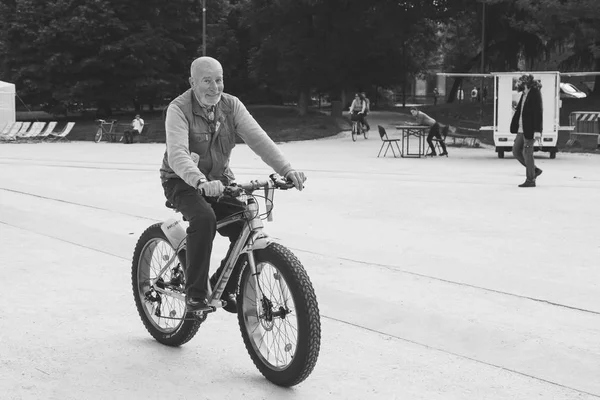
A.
x: 7, y: 103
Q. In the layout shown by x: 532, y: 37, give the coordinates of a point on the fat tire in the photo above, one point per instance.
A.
x: 98, y: 136
x: 500, y: 153
x: 307, y: 313
x: 190, y: 325
x: 552, y: 154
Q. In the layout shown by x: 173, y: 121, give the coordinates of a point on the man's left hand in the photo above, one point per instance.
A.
x: 297, y: 178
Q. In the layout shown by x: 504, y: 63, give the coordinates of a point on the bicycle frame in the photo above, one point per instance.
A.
x: 251, y: 238
x: 248, y: 241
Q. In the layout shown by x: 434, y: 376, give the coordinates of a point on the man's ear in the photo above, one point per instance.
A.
x: 191, y: 80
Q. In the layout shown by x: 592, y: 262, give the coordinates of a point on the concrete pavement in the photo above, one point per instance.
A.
x: 436, y: 278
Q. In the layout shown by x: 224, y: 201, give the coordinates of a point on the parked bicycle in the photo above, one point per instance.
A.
x: 277, y: 309
x: 105, y: 129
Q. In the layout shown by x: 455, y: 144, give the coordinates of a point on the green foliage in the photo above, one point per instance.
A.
x: 113, y: 52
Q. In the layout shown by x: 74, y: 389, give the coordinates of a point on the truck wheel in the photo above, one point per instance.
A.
x: 552, y: 154
x: 500, y: 153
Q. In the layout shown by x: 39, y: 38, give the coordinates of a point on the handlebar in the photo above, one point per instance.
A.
x: 274, y: 181
x: 105, y: 122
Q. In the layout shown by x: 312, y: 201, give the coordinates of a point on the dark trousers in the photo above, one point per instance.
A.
x: 435, y: 132
x: 523, y: 152
x: 129, y: 133
x: 202, y: 214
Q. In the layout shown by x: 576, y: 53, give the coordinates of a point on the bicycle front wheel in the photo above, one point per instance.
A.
x: 279, y: 317
x: 98, y: 136
x: 354, y: 131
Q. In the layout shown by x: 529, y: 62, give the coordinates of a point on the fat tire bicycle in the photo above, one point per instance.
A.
x: 277, y: 309
x: 102, y: 131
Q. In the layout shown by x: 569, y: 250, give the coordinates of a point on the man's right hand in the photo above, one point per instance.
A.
x: 211, y: 188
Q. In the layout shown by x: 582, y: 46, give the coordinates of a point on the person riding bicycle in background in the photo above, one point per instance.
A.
x: 201, y: 127
x: 367, y: 108
x: 357, y: 109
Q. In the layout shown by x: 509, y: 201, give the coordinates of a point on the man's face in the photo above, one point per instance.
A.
x: 207, y: 83
x: 414, y: 112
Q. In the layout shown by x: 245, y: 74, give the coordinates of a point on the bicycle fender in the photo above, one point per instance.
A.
x: 174, y: 232
x: 261, y: 243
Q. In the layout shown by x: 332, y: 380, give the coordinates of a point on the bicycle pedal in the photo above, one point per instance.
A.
x: 201, y: 313
x: 217, y: 304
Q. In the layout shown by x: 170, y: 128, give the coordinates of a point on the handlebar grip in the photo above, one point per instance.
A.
x: 281, y: 183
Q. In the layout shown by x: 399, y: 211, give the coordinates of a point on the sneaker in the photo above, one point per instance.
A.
x: 430, y: 155
x: 527, y: 184
x: 196, y: 304
x: 538, y: 172
x: 444, y: 154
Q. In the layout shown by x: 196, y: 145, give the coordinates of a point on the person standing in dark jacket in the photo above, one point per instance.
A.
x: 527, y: 122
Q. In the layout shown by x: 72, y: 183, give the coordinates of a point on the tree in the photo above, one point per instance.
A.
x: 333, y: 45
x: 102, y: 51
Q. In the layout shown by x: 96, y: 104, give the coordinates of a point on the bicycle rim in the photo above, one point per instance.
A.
x: 354, y: 127
x: 164, y: 309
x: 98, y: 136
x: 274, y: 339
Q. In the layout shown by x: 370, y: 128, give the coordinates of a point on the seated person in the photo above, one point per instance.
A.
x: 137, y: 125
x: 425, y: 120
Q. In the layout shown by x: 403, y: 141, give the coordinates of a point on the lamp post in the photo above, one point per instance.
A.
x: 482, y: 59
x: 203, y: 27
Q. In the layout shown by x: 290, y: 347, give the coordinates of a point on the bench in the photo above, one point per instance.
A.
x: 118, y: 133
x: 465, y: 135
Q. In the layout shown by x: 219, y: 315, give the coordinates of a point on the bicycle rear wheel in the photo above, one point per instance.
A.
x: 98, y: 136
x: 160, y: 300
x: 279, y: 317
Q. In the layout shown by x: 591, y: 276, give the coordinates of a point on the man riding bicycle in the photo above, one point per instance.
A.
x: 358, y: 110
x: 201, y: 127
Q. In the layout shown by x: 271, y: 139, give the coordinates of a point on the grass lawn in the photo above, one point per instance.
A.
x: 282, y: 123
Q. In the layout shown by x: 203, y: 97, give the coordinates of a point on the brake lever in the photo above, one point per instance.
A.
x: 233, y: 190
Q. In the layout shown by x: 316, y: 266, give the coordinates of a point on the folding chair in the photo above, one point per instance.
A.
x: 436, y: 141
x: 47, y: 131
x: 12, y: 132
x: 390, y: 143
x: 36, y: 129
x: 5, y: 128
x: 62, y: 134
x: 22, y: 132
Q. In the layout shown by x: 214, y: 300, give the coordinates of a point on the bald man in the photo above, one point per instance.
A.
x: 201, y: 128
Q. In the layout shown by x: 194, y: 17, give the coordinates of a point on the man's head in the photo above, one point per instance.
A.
x: 414, y: 111
x: 206, y: 80
x: 137, y: 116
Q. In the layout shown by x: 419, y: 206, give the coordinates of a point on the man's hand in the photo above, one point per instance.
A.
x: 297, y: 178
x: 211, y: 189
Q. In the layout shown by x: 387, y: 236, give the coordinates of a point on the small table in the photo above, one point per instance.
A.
x: 418, y: 131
